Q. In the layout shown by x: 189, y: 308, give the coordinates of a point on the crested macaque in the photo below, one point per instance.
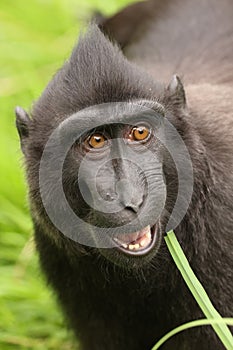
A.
x: 122, y: 290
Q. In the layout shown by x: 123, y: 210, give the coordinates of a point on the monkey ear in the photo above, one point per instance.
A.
x: 22, y: 125
x: 176, y: 91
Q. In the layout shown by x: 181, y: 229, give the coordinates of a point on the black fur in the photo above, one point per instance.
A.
x: 114, y: 307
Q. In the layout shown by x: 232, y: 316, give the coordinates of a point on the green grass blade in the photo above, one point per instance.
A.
x: 196, y: 323
x: 198, y: 291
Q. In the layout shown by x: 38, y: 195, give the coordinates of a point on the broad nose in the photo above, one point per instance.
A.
x: 129, y: 195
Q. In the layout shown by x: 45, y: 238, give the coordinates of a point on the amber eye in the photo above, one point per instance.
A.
x: 139, y: 133
x: 96, y: 141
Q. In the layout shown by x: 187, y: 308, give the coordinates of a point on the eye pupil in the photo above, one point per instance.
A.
x: 140, y: 133
x: 96, y: 141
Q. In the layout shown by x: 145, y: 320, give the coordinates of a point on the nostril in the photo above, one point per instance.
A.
x: 134, y: 206
x: 130, y: 196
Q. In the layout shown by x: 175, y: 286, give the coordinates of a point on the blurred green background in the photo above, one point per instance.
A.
x: 36, y: 36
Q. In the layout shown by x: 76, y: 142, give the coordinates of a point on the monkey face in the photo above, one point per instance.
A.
x: 112, y: 178
x: 109, y: 187
x: 106, y: 187
x: 122, y: 186
x: 102, y: 176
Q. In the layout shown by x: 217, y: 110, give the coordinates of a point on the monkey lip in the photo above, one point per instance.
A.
x: 137, y: 243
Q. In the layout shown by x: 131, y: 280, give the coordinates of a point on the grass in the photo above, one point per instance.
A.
x: 200, y: 295
x: 35, y: 38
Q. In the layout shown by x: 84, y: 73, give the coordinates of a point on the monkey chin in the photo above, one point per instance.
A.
x: 134, y: 250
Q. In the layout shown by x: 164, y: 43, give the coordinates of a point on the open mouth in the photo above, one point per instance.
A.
x: 137, y: 243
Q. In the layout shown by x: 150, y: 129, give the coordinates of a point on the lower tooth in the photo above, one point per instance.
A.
x: 134, y: 246
x: 142, y: 243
